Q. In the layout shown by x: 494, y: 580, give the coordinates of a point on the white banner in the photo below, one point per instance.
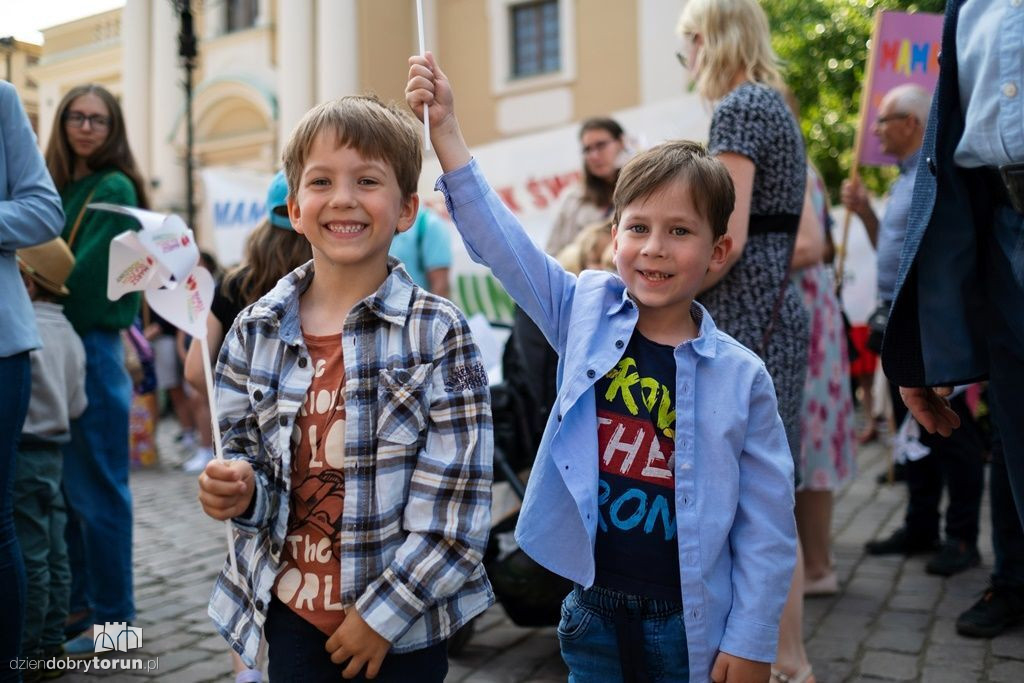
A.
x: 235, y: 203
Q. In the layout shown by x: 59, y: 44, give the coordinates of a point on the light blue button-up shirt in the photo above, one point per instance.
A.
x: 892, y: 229
x: 990, y: 68
x: 732, y: 466
x: 30, y: 214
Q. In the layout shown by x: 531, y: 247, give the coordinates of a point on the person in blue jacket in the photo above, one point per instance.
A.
x: 958, y: 312
x: 30, y: 214
x: 663, y: 486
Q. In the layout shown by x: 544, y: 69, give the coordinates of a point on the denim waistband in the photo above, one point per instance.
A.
x: 608, y: 603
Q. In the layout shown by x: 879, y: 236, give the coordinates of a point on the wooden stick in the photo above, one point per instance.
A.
x: 858, y: 145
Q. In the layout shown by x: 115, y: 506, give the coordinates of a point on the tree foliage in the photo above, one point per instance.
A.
x: 824, y: 48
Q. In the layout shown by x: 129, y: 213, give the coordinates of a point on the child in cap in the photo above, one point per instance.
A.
x: 58, y: 396
x: 354, y: 409
x: 663, y: 485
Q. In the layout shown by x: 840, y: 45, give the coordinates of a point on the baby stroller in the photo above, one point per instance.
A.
x: 530, y: 594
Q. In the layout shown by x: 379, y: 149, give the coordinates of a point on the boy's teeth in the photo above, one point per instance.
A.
x: 655, y: 276
x: 347, y: 228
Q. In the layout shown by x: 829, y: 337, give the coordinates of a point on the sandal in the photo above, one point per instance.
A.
x: 800, y: 676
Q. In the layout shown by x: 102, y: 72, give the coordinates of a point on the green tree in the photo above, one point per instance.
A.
x: 824, y: 48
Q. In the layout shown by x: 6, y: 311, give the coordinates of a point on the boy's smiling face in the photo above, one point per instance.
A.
x: 664, y: 248
x: 348, y: 206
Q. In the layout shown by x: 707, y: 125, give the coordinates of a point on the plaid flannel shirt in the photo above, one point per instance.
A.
x: 418, y: 470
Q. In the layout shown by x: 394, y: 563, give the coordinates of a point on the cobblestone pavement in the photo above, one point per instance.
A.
x: 890, y: 621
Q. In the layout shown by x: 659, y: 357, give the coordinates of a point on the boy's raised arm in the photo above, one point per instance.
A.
x: 492, y: 234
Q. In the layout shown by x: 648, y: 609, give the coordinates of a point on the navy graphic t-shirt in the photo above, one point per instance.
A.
x: 636, y: 550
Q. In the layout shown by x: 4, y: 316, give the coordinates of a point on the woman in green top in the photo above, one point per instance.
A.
x: 90, y: 161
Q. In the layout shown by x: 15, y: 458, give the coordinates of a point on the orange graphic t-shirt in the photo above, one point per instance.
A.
x: 309, y: 579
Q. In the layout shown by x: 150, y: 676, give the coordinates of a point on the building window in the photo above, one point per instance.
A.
x: 535, y: 38
x: 533, y: 44
x: 241, y: 14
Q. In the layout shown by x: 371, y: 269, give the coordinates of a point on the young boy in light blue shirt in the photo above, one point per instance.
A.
x: 663, y: 486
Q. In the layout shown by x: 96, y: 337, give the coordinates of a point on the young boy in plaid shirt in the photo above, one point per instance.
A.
x: 355, y: 419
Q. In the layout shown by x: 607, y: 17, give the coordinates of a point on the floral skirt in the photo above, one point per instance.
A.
x: 827, y: 442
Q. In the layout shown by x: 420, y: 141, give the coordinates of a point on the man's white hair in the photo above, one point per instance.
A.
x: 911, y: 98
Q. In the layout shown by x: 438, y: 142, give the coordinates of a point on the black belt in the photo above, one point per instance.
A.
x: 1006, y: 184
x: 760, y: 224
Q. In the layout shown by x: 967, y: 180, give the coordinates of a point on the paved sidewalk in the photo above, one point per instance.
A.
x: 891, y: 621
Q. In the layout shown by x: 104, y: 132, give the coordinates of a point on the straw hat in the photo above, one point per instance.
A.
x: 49, y: 264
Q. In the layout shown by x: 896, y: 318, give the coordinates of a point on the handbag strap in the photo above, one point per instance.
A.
x: 81, y: 213
x: 770, y: 327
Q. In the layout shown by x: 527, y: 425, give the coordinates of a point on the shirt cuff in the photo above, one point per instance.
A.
x: 463, y: 185
x: 252, y: 519
x: 750, y: 640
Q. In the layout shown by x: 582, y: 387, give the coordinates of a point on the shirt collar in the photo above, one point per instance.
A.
x: 910, y: 163
x: 704, y: 344
x: 281, y: 305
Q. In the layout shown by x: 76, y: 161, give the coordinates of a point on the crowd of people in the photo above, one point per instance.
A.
x: 679, y: 343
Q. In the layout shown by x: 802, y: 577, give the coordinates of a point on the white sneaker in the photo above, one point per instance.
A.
x: 197, y: 462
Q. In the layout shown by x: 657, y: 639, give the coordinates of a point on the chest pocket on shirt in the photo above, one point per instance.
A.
x: 403, y: 397
x: 263, y: 400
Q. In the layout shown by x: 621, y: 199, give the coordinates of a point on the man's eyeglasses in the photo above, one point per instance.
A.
x: 596, y: 147
x: 891, y: 117
x: 77, y: 119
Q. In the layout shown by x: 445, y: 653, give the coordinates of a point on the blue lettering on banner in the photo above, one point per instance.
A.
x: 230, y: 214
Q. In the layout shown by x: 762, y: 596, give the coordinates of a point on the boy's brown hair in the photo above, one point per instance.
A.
x: 376, y: 130
x: 710, y: 184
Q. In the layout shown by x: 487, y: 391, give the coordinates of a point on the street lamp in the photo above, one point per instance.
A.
x: 188, y: 52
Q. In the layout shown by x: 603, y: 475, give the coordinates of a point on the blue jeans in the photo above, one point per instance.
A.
x: 609, y: 636
x: 15, y: 388
x: 40, y: 517
x: 96, y: 464
x: 296, y: 654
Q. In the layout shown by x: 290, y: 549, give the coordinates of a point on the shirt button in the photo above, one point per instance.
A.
x: 259, y: 605
x: 559, y: 417
x: 258, y: 395
x: 590, y: 374
x: 284, y: 421
x: 274, y: 549
x: 1010, y: 90
x: 619, y: 344
x: 931, y: 165
x: 302, y: 362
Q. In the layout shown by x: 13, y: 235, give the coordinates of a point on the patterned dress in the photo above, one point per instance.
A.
x: 827, y: 452
x: 754, y: 121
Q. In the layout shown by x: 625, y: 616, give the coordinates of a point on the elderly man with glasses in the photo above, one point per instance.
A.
x: 955, y: 461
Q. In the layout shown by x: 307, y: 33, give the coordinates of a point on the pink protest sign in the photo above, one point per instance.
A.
x: 904, y: 49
